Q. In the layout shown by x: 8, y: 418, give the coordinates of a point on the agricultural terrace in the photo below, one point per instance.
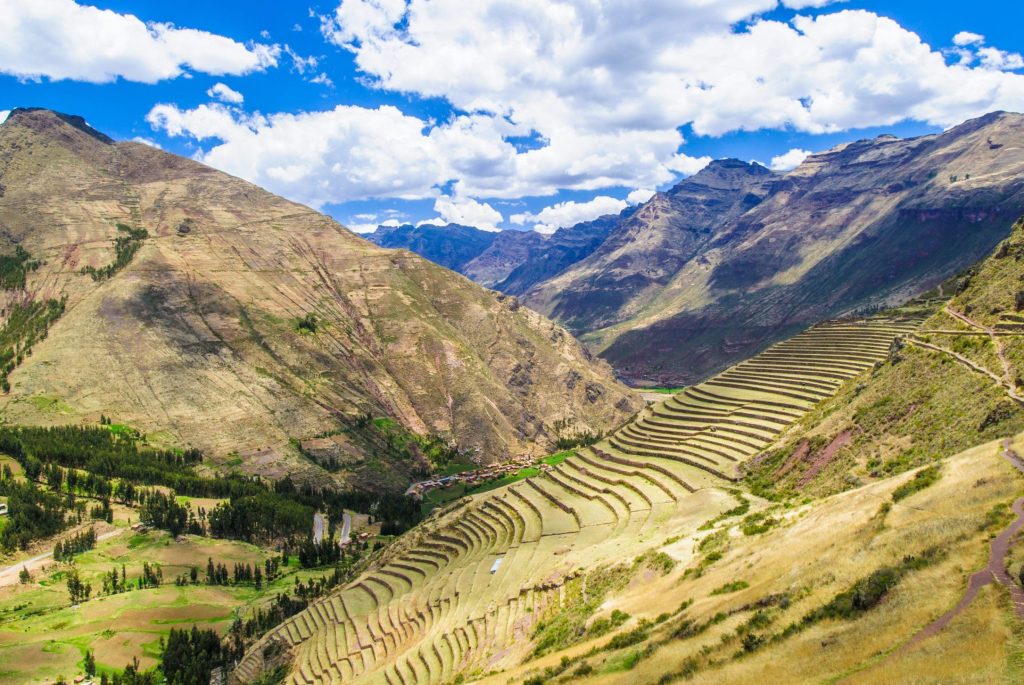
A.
x: 481, y: 584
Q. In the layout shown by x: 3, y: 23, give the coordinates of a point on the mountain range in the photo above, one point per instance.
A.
x: 207, y: 312
x: 737, y: 256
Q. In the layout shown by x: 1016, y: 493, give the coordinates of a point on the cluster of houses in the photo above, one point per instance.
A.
x: 471, y: 478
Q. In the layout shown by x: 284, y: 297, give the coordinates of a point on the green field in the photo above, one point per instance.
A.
x: 42, y: 636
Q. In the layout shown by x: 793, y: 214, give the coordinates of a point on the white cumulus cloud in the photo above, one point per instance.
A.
x: 60, y: 39
x: 967, y: 38
x: 333, y: 156
x: 4, y: 113
x: 225, y: 93
x: 994, y: 58
x: 789, y: 160
x: 600, y: 88
x: 468, y: 212
x: 563, y: 214
x: 639, y: 196
x: 147, y: 141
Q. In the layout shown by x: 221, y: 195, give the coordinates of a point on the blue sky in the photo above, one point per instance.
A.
x: 533, y: 114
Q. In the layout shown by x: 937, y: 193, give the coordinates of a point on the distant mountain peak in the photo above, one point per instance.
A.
x: 729, y: 173
x: 40, y: 119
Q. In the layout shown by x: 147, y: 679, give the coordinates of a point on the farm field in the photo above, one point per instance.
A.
x: 42, y: 636
x: 484, y: 583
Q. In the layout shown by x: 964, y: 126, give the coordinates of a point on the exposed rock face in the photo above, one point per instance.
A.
x: 562, y: 249
x: 647, y: 248
x: 509, y: 251
x: 197, y: 338
x: 452, y: 246
x: 867, y: 223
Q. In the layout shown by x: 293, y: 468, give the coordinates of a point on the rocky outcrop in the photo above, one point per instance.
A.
x: 648, y: 247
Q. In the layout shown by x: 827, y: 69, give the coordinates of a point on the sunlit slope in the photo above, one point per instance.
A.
x: 465, y: 591
x: 196, y: 337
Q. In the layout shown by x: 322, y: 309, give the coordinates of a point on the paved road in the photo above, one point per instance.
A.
x: 9, y: 575
x: 319, y: 524
x: 346, y: 528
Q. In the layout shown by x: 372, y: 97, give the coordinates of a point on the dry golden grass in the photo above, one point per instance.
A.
x: 823, y: 550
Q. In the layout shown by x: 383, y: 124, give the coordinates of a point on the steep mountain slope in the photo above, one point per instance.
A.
x: 865, y: 224
x: 958, y: 382
x: 509, y: 251
x: 560, y: 250
x: 452, y: 246
x: 643, y: 253
x: 641, y: 559
x: 199, y: 307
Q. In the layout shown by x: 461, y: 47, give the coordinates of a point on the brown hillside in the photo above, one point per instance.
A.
x: 866, y: 224
x: 196, y: 339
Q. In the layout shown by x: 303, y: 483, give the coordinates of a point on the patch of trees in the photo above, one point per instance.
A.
x: 14, y: 268
x: 27, y: 323
x: 65, y: 550
x: 217, y: 574
x: 190, y: 655
x: 396, y: 512
x: 259, y: 518
x: 125, y: 247
x: 575, y: 440
x: 33, y: 514
x: 101, y: 463
x: 78, y: 590
x: 162, y: 510
x: 307, y: 324
x: 115, y: 583
x: 324, y: 553
x: 131, y: 675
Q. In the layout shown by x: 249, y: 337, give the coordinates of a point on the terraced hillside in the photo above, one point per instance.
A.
x: 467, y: 591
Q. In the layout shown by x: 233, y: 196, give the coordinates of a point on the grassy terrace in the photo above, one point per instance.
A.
x: 458, y: 595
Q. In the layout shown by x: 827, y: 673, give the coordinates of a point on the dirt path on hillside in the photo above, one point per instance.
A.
x: 9, y: 575
x: 1003, y: 384
x: 994, y: 571
x: 996, y: 342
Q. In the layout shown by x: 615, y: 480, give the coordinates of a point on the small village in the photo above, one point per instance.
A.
x: 475, y: 476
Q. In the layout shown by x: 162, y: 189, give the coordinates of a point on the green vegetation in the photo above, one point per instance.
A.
x: 920, y: 481
x: 93, y: 462
x: 575, y: 440
x: 606, y: 624
x: 867, y: 592
x: 125, y: 247
x: 756, y: 524
x: 27, y: 324
x: 902, y: 414
x: 307, y: 324
x: 14, y: 268
x: 658, y: 561
x: 562, y: 626
x: 741, y: 508
x: 556, y: 458
x: 734, y: 586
